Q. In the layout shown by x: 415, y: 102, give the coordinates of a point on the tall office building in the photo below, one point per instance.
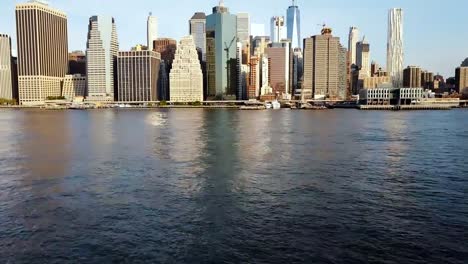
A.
x: 298, y: 70
x: 138, y: 73
x: 412, y: 77
x: 279, y: 61
x: 41, y: 69
x: 101, y: 53
x: 324, y: 58
x: 461, y: 80
x: 352, y: 42
x: 278, y: 29
x: 152, y: 30
x: 6, y: 71
x: 243, y: 28
x: 197, y: 30
x: 395, y: 46
x: 294, y: 25
x: 427, y: 79
x: 253, y: 87
x: 363, y: 58
x: 221, y: 55
x: 167, y: 48
x: 186, y: 77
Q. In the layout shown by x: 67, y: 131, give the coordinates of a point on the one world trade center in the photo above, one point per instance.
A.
x: 293, y: 17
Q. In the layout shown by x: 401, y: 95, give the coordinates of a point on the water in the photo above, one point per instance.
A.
x: 221, y: 186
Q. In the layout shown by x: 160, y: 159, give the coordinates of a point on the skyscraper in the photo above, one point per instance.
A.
x: 101, y: 54
x: 279, y: 55
x: 138, y: 72
x: 412, y: 77
x: 41, y: 69
x: 352, y: 41
x: 253, y: 86
x: 294, y: 25
x: 221, y: 57
x: 152, y: 30
x: 395, y: 46
x: 74, y: 85
x: 197, y: 30
x: 298, y: 70
x: 6, y: 73
x: 186, y: 78
x: 324, y: 67
x: 167, y: 48
x: 277, y: 29
x: 363, y: 58
x: 77, y: 62
x: 461, y: 80
x: 243, y: 28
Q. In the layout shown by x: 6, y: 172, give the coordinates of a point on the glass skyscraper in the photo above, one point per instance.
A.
x: 293, y: 17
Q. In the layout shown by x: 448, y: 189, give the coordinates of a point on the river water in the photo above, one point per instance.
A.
x: 224, y: 186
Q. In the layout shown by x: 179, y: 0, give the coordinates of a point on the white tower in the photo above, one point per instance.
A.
x: 152, y: 30
x: 278, y: 29
x: 395, y: 55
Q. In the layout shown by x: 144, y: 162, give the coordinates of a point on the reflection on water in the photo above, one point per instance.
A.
x: 222, y: 186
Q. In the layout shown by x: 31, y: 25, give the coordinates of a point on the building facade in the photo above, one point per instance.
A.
x: 412, y: 77
x: 298, y: 71
x: 278, y: 29
x: 77, y: 63
x: 151, y: 31
x: 323, y: 67
x: 186, y: 77
x: 353, y: 39
x: 427, y: 79
x: 395, y: 55
x: 138, y: 73
x: 198, y: 32
x: 74, y: 85
x: 6, y: 69
x: 293, y: 17
x: 253, y: 87
x: 221, y: 57
x: 102, y: 49
x: 41, y: 69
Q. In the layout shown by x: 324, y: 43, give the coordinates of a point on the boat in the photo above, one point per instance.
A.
x: 268, y: 105
x: 276, y: 105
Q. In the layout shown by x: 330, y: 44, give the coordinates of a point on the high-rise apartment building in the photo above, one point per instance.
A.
x: 293, y: 18
x: 198, y: 32
x: 6, y: 69
x: 186, y: 77
x: 412, y: 77
x: 427, y: 79
x: 363, y: 60
x: 102, y: 49
x: 243, y: 28
x: 395, y: 46
x: 461, y: 80
x: 221, y: 55
x: 152, y: 30
x: 41, y: 33
x: 352, y: 42
x: 74, y: 85
x: 324, y: 58
x: 138, y: 73
x: 279, y: 62
x: 278, y: 29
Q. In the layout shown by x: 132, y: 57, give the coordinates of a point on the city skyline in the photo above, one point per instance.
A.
x: 338, y: 14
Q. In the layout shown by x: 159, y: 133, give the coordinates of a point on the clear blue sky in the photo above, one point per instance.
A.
x: 436, y: 35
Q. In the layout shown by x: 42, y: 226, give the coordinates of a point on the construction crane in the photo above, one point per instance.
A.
x: 228, y: 49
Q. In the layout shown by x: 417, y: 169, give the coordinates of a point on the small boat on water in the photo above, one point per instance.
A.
x: 276, y: 105
x: 268, y: 105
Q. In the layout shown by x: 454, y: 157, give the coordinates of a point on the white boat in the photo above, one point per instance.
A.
x: 276, y: 105
x: 268, y: 105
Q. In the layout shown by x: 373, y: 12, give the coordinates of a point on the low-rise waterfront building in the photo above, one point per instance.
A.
x: 74, y: 86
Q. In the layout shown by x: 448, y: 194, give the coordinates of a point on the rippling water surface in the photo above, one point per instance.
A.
x: 221, y: 186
